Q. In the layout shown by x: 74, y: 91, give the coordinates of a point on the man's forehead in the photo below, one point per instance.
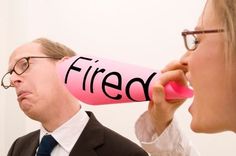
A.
x: 25, y: 50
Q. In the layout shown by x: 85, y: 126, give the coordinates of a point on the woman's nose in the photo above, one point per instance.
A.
x: 185, y: 58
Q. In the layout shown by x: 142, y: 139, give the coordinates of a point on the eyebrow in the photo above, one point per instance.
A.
x: 10, y: 69
x: 198, y: 28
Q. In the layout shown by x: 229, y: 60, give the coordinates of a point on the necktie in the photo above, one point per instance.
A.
x: 46, y: 145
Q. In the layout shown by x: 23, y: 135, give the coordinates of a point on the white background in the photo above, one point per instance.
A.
x: 142, y: 32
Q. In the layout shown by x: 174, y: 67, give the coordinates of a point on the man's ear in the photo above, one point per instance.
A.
x: 63, y: 59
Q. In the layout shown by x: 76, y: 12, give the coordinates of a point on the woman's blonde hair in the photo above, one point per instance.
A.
x: 54, y: 49
x: 226, y: 12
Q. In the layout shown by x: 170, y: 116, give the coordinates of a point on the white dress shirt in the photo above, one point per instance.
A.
x: 67, y: 134
x: 170, y: 143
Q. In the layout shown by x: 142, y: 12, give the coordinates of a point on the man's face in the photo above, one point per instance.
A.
x: 37, y: 88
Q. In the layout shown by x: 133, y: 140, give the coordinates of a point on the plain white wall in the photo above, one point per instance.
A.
x: 13, y: 28
x: 142, y: 32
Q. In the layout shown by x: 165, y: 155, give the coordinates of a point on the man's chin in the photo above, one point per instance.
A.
x: 25, y: 106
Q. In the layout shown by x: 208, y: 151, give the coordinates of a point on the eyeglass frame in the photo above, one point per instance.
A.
x: 193, y: 33
x: 28, y: 64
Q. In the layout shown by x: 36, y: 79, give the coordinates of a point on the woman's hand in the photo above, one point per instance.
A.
x: 160, y: 109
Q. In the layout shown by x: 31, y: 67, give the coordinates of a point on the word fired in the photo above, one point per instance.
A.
x: 99, y: 81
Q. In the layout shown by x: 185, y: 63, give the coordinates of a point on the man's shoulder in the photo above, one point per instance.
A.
x: 25, y: 145
x: 33, y: 133
x: 110, y: 140
x: 120, y: 143
x: 30, y: 136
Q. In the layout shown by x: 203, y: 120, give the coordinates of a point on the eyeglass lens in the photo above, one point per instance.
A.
x: 191, y: 42
x: 19, y: 68
x: 6, y: 80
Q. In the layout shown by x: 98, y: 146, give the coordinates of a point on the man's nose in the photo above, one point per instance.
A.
x: 15, y: 79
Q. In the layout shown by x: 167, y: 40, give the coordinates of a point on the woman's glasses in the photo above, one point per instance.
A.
x: 190, y: 39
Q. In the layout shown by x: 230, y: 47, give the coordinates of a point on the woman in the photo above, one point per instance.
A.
x: 210, y: 67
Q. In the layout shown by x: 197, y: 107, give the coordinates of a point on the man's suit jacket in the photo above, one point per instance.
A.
x: 95, y: 140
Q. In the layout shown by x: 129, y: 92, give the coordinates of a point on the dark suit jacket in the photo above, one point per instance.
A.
x: 95, y: 140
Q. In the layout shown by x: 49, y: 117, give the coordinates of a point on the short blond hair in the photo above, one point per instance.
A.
x: 54, y: 49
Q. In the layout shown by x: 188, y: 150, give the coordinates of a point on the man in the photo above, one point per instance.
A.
x: 43, y: 97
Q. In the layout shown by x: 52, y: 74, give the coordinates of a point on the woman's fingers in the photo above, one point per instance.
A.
x: 160, y: 109
x: 175, y: 75
x: 158, y: 93
x: 175, y: 65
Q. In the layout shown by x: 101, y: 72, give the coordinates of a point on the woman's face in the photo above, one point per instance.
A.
x: 213, y: 108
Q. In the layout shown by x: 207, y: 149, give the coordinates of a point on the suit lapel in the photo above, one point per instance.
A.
x: 91, y: 137
x: 33, y: 146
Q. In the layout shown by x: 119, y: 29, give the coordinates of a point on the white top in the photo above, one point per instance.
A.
x: 170, y: 143
x: 67, y: 134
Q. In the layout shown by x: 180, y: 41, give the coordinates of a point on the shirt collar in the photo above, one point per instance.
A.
x: 68, y: 133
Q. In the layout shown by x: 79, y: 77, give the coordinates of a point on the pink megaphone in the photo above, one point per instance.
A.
x: 100, y: 81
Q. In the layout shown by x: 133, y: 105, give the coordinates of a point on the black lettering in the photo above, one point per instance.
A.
x: 93, y: 77
x: 145, y: 86
x: 115, y: 86
x: 85, y: 77
x: 72, y: 67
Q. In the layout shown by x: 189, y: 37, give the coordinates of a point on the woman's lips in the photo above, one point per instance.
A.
x: 189, y: 79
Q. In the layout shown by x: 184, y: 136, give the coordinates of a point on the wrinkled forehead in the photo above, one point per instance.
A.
x: 28, y: 49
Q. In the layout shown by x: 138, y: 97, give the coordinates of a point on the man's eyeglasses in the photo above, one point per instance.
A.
x: 19, y: 68
x: 190, y: 39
